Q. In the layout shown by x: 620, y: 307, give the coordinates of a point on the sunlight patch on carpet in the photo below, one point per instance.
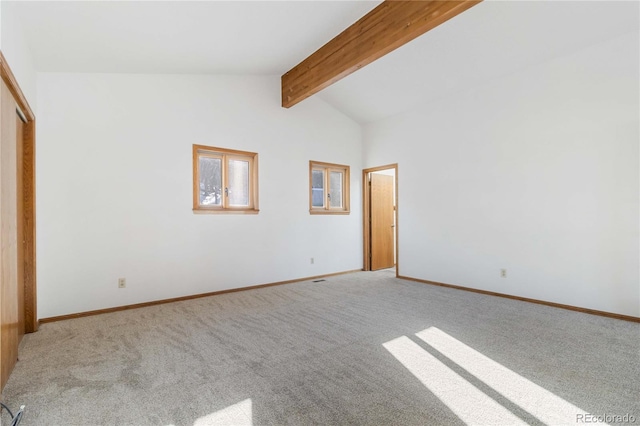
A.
x: 469, y: 402
x: 239, y: 414
x: 466, y: 401
x: 539, y: 402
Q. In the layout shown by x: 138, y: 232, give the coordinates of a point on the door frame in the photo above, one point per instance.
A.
x: 366, y: 216
x: 28, y: 217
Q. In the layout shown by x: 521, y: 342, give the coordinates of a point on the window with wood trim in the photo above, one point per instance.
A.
x: 328, y: 188
x: 224, y: 180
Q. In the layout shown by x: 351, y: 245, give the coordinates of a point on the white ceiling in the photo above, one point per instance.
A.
x: 490, y: 40
x: 199, y: 37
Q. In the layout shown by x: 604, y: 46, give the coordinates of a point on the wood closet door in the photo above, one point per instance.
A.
x: 10, y: 310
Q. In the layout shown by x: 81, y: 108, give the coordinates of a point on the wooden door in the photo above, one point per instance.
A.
x: 20, y: 240
x: 17, y: 221
x: 382, y: 222
x: 9, y: 311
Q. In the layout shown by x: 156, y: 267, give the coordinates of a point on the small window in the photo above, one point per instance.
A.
x: 224, y: 180
x: 328, y: 188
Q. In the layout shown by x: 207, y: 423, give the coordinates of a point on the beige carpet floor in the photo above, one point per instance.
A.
x: 361, y: 349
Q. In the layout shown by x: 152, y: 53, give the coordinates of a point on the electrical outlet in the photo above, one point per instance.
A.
x: 122, y: 282
x: 312, y: 261
x: 503, y: 273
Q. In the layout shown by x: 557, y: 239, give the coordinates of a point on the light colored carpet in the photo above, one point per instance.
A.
x: 363, y: 349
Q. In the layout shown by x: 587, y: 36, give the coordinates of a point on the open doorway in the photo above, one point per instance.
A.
x: 380, y: 219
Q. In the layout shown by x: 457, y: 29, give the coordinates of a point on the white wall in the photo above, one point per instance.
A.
x: 15, y: 49
x: 536, y: 173
x: 115, y: 188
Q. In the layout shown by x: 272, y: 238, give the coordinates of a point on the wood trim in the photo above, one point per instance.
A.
x: 346, y: 187
x: 254, y: 192
x: 526, y: 299
x: 14, y: 88
x: 385, y: 28
x: 397, y: 227
x: 183, y: 298
x: 29, y: 196
x: 29, y: 226
x: 196, y: 178
x: 225, y: 211
x: 366, y: 213
x: 322, y: 164
x: 366, y: 222
x: 225, y: 155
x: 317, y: 211
x: 20, y: 281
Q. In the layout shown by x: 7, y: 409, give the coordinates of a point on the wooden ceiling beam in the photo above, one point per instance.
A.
x: 387, y: 27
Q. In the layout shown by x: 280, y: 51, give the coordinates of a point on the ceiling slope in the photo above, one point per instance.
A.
x: 194, y: 37
x: 384, y: 29
x: 488, y: 41
x: 491, y: 40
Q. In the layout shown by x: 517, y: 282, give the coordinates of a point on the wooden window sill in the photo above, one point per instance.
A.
x: 329, y: 212
x: 225, y: 211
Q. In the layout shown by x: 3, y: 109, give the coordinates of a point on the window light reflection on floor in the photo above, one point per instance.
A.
x: 239, y: 414
x: 546, y: 406
x: 465, y: 400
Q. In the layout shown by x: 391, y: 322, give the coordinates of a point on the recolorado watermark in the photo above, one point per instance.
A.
x: 605, y: 418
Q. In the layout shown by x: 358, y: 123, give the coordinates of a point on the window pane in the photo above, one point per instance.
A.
x: 317, y: 188
x: 335, y: 189
x: 210, y: 181
x: 238, y: 183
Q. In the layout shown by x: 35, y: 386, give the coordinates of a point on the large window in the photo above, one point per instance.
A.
x: 224, y: 180
x: 328, y: 188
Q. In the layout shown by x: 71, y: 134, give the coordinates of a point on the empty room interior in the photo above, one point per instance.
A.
x: 320, y: 212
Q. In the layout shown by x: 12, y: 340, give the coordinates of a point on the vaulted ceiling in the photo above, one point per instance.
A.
x: 201, y: 37
x: 489, y: 41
